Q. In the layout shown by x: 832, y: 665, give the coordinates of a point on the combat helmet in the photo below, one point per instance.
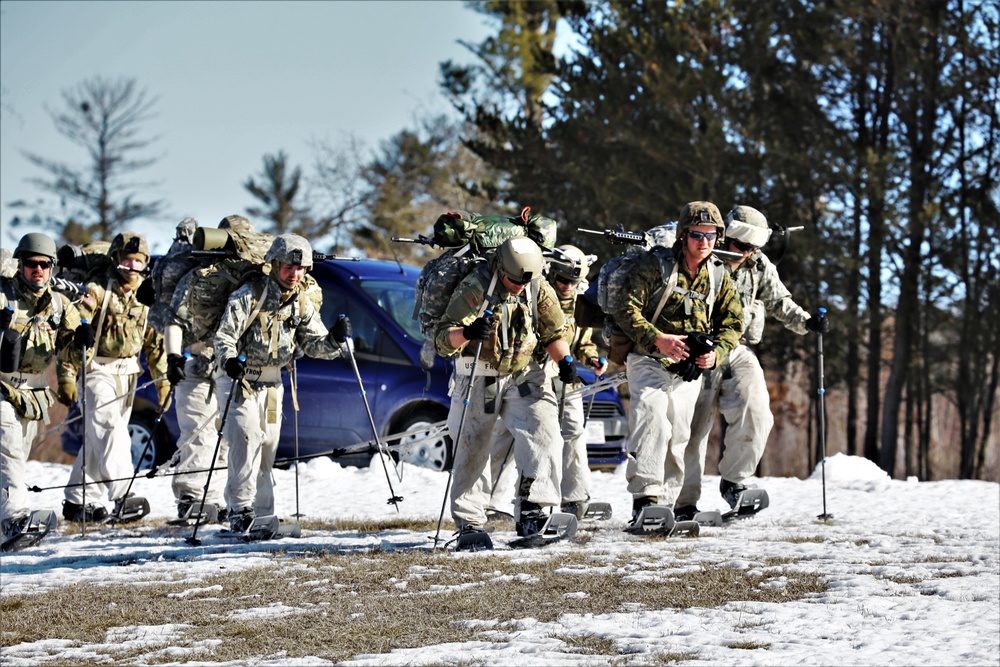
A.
x: 698, y: 213
x: 520, y: 259
x: 185, y: 230
x: 35, y: 243
x: 290, y: 249
x: 569, y: 263
x: 128, y: 243
x: 748, y: 225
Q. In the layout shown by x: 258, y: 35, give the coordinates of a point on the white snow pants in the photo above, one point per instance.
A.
x: 253, y: 444
x: 529, y: 414
x: 575, y: 479
x: 197, y: 408
x: 16, y: 436
x: 736, y: 389
x: 107, y: 444
x: 659, y: 415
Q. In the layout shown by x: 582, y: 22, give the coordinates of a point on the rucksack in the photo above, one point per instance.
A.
x: 165, y: 275
x: 80, y: 263
x: 470, y: 240
x: 614, y: 274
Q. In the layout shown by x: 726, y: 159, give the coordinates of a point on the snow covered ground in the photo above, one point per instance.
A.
x: 913, y: 569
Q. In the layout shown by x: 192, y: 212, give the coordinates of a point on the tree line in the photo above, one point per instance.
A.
x: 872, y: 125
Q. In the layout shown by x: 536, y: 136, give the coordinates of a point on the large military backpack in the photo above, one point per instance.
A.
x: 614, y: 274
x: 470, y: 240
x: 165, y: 275
x: 80, y: 263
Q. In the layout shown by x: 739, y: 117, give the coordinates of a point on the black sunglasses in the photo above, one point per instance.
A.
x: 566, y: 281
x: 37, y: 263
x: 518, y: 282
x: 740, y: 245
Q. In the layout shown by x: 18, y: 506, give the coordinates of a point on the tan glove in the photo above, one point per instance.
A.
x: 163, y: 390
x: 67, y: 393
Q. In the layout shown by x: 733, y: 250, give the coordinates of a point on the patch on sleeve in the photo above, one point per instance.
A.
x: 472, y: 299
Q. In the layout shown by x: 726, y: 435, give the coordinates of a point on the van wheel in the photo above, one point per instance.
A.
x: 435, y: 454
x: 143, y: 431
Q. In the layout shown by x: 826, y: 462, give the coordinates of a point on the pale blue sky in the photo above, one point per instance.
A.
x: 235, y: 80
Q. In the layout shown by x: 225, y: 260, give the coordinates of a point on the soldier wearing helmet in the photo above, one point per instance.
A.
x: 736, y: 387
x: 35, y: 322
x: 265, y: 320
x: 567, y: 273
x: 671, y: 318
x: 510, y: 388
x: 115, y: 333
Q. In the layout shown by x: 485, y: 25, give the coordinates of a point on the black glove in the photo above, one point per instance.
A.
x: 146, y: 294
x: 479, y: 329
x: 818, y: 324
x: 175, y: 368
x: 567, y: 370
x: 342, y: 330
x: 85, y: 336
x: 6, y: 317
x: 236, y: 367
x: 698, y: 344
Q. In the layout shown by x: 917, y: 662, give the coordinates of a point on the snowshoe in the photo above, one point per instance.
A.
x: 77, y: 513
x: 597, y: 511
x: 472, y: 538
x: 557, y: 526
x: 250, y: 528
x: 500, y: 519
x: 28, y: 531
x: 659, y: 520
x: 748, y: 503
x: 128, y: 509
x: 194, y: 512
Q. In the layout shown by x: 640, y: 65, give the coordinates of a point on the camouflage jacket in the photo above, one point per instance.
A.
x: 762, y: 293
x: 519, y: 332
x: 581, y: 346
x: 45, y: 321
x: 642, y: 287
x: 283, y: 322
x: 124, y: 332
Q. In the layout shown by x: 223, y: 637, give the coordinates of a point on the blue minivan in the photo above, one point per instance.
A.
x: 379, y: 297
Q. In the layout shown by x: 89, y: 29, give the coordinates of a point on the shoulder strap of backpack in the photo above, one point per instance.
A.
x: 715, y: 277
x: 668, y: 265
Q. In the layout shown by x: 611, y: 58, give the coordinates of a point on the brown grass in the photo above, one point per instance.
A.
x: 335, y: 607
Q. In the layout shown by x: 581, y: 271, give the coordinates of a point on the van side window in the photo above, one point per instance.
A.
x: 366, y: 333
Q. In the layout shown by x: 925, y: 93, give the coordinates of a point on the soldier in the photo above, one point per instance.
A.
x: 509, y: 385
x: 36, y: 323
x: 567, y: 271
x: 115, y: 333
x: 262, y: 324
x: 736, y: 387
x: 669, y: 353
x: 189, y: 341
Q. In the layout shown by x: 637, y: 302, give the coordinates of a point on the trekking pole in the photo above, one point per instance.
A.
x: 562, y: 396
x: 138, y: 464
x: 295, y: 430
x: 458, y: 433
x: 193, y: 540
x: 83, y: 440
x: 821, y: 408
x: 348, y: 344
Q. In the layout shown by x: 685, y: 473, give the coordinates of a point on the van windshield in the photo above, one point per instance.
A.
x: 395, y: 298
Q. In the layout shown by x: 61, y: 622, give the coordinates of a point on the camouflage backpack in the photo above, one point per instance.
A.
x: 80, y: 263
x: 470, y: 240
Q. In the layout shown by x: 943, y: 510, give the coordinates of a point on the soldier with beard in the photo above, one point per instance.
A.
x: 36, y: 322
x: 115, y: 333
x: 264, y: 321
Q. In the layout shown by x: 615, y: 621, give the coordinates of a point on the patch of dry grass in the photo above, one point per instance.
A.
x: 336, y: 606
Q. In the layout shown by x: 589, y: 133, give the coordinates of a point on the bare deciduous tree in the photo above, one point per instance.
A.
x: 105, y: 118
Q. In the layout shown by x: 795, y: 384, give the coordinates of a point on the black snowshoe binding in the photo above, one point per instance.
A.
x: 77, y: 513
x: 472, y: 538
x: 250, y: 528
x: 128, y: 509
x: 191, y: 511
x: 538, y: 529
x: 744, y: 501
x: 659, y: 520
x: 27, y: 531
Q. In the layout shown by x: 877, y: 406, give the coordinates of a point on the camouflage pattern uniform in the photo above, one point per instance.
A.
x: 736, y: 387
x: 510, y: 387
x: 575, y: 478
x: 285, y: 318
x: 112, y: 369
x: 662, y: 403
x: 45, y: 321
